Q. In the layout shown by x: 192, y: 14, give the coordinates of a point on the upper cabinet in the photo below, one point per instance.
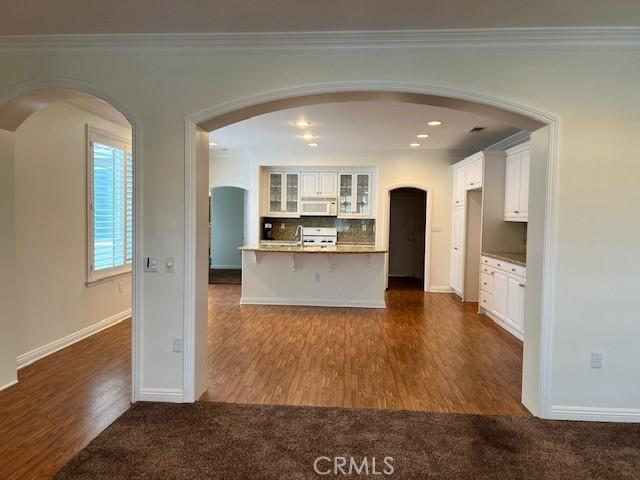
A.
x: 459, y: 191
x: 516, y: 189
x: 355, y: 194
x: 284, y: 193
x: 473, y: 172
x: 319, y: 184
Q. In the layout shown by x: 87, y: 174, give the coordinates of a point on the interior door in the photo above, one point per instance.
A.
x: 402, y: 234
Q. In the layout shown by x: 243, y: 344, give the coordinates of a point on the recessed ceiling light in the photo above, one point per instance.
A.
x: 302, y: 124
x: 313, y: 144
x: 414, y: 145
x: 213, y: 144
x: 435, y: 123
x: 308, y: 136
x: 423, y: 135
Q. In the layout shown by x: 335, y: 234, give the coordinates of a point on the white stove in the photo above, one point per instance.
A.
x: 319, y: 236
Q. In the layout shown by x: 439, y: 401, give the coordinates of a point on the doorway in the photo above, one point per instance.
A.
x: 226, y: 234
x: 407, y: 239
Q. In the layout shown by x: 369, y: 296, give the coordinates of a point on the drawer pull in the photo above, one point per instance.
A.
x: 513, y: 269
x: 521, y: 285
x: 516, y: 211
x: 484, y: 283
x: 499, y: 264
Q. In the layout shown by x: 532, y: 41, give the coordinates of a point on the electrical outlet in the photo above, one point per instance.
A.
x: 177, y: 345
x: 596, y: 360
x: 364, y: 227
x: 151, y: 265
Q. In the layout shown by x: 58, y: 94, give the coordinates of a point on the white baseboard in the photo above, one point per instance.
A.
x: 41, y: 352
x: 440, y: 289
x: 303, y: 302
x: 10, y: 384
x: 225, y: 267
x: 503, y: 324
x: 595, y: 414
x: 167, y: 395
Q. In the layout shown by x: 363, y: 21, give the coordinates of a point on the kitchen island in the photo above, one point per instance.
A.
x: 332, y: 276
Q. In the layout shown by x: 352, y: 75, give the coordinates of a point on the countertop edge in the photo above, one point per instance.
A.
x: 339, y: 250
x: 504, y: 258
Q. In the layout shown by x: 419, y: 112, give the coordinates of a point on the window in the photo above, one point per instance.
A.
x: 110, y: 205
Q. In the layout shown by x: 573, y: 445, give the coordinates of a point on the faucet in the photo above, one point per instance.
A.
x: 295, y: 235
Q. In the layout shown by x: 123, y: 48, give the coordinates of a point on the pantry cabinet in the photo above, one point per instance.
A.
x: 516, y: 188
x: 473, y: 172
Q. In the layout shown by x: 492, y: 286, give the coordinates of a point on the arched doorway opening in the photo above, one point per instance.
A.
x: 543, y: 127
x: 72, y: 217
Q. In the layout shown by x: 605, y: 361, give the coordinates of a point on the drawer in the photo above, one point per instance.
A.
x: 515, y: 269
x: 502, y: 265
x: 486, y: 300
x: 484, y: 268
x: 486, y: 282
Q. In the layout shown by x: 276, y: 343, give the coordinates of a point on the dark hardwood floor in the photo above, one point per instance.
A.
x: 62, y: 402
x: 424, y: 352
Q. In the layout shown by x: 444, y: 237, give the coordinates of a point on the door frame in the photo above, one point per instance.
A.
x: 427, y: 231
x: 137, y: 314
x: 277, y: 99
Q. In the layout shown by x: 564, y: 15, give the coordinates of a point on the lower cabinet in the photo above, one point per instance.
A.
x: 502, y: 294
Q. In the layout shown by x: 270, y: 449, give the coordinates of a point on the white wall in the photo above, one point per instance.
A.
x: 227, y: 227
x: 50, y: 230
x: 597, y: 290
x: 7, y: 260
x: 425, y: 169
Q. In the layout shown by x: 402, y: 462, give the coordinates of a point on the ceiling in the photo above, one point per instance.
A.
x: 362, y: 126
x: 196, y: 16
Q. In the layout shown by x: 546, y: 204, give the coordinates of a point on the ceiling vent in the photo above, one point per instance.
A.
x: 477, y: 129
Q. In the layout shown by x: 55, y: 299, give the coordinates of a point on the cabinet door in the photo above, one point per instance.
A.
x: 363, y: 198
x: 292, y: 190
x: 457, y: 269
x: 346, y: 194
x: 459, y: 192
x: 458, y: 227
x: 499, y: 294
x: 512, y: 186
x: 473, y: 175
x: 515, y: 302
x: 327, y: 184
x: 523, y: 194
x: 310, y: 184
x: 275, y: 192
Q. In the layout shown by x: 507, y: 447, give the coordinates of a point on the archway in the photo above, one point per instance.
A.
x: 544, y: 127
x: 22, y: 101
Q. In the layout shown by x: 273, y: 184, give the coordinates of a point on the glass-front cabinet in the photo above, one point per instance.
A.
x: 284, y: 193
x: 355, y: 194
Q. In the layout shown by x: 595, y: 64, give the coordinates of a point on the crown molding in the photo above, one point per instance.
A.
x: 515, y: 139
x: 378, y: 39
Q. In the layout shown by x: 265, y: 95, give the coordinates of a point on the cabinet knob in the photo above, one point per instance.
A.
x: 499, y: 264
x: 457, y: 201
x: 516, y: 211
x: 521, y: 285
x: 472, y: 183
x: 484, y: 283
x: 513, y: 269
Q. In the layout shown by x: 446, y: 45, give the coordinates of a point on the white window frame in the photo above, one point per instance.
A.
x: 106, y: 138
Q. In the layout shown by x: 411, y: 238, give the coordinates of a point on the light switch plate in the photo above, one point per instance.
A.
x: 151, y: 265
x: 169, y: 265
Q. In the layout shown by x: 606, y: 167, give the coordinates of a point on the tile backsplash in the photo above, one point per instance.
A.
x: 350, y: 230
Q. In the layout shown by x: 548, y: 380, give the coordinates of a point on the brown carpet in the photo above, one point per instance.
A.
x: 225, y: 276
x: 232, y: 441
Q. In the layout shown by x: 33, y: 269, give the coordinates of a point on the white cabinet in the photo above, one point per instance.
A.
x: 355, y: 194
x: 319, y: 184
x: 284, y: 193
x: 502, y: 287
x: 457, y: 269
x: 473, y: 173
x: 459, y: 191
x: 516, y: 188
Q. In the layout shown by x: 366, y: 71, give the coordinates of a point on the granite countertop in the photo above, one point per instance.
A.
x: 293, y: 248
x: 517, y: 258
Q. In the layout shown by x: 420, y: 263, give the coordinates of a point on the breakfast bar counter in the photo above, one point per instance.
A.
x: 331, y: 276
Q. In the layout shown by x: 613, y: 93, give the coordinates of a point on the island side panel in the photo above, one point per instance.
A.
x: 319, y: 279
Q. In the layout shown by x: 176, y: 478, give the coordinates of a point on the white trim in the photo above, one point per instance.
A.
x: 10, y: 384
x: 191, y: 43
x: 45, y: 350
x: 501, y: 323
x: 167, y: 395
x: 506, y: 143
x: 312, y: 302
x: 551, y: 204
x: 226, y: 267
x: 427, y: 227
x: 440, y: 289
x: 138, y: 280
x: 595, y: 414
